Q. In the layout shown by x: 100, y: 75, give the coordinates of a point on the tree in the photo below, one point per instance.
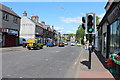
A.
x: 64, y: 39
x: 80, y: 33
x: 97, y: 20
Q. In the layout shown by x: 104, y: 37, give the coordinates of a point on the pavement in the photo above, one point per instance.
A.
x: 52, y: 62
x: 98, y: 70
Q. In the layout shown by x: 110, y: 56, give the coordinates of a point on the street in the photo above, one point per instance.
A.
x: 60, y: 39
x: 50, y: 62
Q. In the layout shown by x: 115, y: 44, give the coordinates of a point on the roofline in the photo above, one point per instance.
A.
x: 10, y: 13
x: 106, y: 14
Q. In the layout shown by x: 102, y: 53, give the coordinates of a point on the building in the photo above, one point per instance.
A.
x: 10, y: 26
x: 110, y: 28
x: 31, y: 28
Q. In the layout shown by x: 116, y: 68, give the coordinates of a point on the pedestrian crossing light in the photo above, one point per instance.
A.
x: 90, y: 23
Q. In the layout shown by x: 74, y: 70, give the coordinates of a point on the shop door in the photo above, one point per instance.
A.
x: 10, y: 40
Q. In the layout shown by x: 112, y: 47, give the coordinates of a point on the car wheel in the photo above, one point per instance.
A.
x: 41, y: 47
x: 28, y: 48
x: 37, y: 47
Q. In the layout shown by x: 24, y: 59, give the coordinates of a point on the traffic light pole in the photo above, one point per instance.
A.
x: 90, y: 50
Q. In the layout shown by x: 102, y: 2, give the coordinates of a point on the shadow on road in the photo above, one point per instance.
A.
x: 86, y: 63
x: 101, y: 58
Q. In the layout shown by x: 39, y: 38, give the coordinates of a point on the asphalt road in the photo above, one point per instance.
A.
x: 50, y: 62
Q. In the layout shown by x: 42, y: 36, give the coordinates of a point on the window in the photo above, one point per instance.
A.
x: 5, y: 16
x: 115, y: 36
x: 15, y: 19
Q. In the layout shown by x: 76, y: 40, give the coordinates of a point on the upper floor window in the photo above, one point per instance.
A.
x: 5, y: 16
x: 15, y: 19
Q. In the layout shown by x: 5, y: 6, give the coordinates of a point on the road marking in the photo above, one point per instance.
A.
x: 8, y: 75
x: 46, y: 59
x: 83, y: 60
x: 75, y: 63
x: 60, y: 69
x: 50, y: 67
x: 57, y: 51
x: 77, y: 60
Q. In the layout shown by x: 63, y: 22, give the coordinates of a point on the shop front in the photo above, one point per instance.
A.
x: 10, y: 37
x: 115, y: 36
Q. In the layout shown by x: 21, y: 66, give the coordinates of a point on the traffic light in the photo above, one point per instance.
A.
x: 90, y: 23
x: 83, y: 23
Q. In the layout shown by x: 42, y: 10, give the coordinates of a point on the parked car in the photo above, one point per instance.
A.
x: 61, y: 44
x: 72, y: 43
x: 23, y: 42
x: 50, y: 44
x: 66, y: 43
x: 34, y: 43
x: 78, y: 44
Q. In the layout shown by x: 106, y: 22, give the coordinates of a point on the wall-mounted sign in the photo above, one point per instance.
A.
x: 4, y: 30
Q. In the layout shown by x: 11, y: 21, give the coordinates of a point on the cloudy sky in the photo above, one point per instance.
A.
x: 65, y: 16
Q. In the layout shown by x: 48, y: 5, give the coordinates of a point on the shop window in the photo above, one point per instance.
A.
x: 115, y: 36
x: 5, y: 16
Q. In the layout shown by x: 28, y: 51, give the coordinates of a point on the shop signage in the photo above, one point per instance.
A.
x: 4, y: 30
x: 114, y: 14
x: 13, y: 32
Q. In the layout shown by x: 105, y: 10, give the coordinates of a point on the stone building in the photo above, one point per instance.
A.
x: 10, y: 26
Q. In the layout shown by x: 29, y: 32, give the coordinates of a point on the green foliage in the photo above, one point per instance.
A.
x: 64, y: 39
x: 97, y: 20
x: 80, y: 33
x: 69, y: 35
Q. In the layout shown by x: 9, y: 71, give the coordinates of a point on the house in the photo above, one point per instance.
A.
x: 10, y: 26
x: 31, y: 28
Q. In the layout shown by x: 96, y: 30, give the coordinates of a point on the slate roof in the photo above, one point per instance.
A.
x: 8, y: 10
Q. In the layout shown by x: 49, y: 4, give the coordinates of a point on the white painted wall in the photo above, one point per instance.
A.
x: 27, y: 28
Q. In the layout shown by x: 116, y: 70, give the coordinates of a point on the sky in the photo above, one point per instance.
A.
x: 64, y: 16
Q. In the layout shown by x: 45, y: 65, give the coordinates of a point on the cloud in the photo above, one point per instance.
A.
x: 75, y: 20
x: 70, y: 32
x: 60, y: 28
x: 83, y: 14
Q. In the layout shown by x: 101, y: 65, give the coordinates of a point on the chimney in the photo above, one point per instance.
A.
x: 43, y: 22
x: 24, y: 14
x: 35, y: 18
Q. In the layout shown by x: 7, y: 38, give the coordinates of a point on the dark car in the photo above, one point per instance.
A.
x: 50, y: 44
x: 61, y: 44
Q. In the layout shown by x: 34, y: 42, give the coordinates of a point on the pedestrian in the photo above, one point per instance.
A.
x: 86, y: 46
x: 93, y: 46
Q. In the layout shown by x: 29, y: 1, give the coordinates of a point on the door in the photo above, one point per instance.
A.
x: 10, y: 40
